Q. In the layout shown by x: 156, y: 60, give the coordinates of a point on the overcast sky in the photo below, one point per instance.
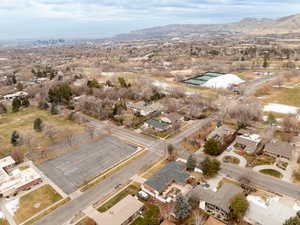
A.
x: 35, y: 19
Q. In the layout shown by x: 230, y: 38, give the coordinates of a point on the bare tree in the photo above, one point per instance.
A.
x: 91, y: 131
x: 267, y: 134
x: 69, y: 136
x: 290, y: 124
x: 28, y: 141
x: 18, y: 155
x: 50, y: 132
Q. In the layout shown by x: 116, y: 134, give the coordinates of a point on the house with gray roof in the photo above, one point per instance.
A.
x: 157, y: 125
x: 217, y: 203
x: 168, y: 182
x: 279, y: 149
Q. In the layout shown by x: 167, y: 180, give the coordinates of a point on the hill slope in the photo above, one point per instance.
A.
x: 252, y: 26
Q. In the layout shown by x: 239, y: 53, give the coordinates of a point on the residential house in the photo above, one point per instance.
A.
x: 157, y: 125
x: 279, y: 149
x: 217, y: 203
x: 144, y: 109
x: 14, y: 180
x: 172, y: 118
x: 249, y: 143
x: 122, y: 213
x: 167, y: 183
x: 221, y: 133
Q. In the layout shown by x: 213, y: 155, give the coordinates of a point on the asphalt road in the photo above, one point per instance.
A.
x: 67, y: 211
x: 263, y: 181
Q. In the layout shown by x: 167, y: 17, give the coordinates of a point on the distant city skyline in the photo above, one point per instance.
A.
x: 75, y: 19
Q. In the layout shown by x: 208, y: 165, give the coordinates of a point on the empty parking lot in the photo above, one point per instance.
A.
x: 73, y: 168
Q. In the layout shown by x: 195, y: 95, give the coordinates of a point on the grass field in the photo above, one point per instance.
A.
x: 35, y: 201
x: 287, y: 96
x: 23, y: 123
x: 49, y: 210
x: 271, y: 172
x: 130, y: 190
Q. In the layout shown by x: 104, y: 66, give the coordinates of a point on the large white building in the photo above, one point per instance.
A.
x: 13, y: 180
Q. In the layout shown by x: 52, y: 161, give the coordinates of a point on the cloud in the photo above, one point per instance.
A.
x: 134, y: 14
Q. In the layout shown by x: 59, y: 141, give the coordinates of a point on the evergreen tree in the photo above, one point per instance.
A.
x: 20, y: 86
x: 271, y: 119
x: 182, y: 208
x: 61, y: 94
x: 25, y: 102
x: 212, y: 147
x: 15, y: 138
x: 93, y: 84
x: 210, y: 167
x: 3, y: 108
x: 38, y: 125
x: 16, y: 104
x: 191, y: 163
x: 238, y: 207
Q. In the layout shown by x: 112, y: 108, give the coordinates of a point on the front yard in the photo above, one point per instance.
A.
x: 256, y: 160
x: 35, y: 202
x: 196, y: 140
x: 231, y: 159
x: 263, y: 160
x: 150, y: 216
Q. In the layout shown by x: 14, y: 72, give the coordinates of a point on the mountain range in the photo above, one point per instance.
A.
x: 247, y: 26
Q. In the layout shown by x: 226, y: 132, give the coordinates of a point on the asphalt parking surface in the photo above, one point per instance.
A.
x: 72, y: 169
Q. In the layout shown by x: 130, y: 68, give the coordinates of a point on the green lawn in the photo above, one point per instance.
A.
x: 151, y: 216
x: 271, y: 172
x: 130, y: 190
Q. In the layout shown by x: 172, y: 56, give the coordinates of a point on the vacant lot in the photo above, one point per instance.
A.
x: 76, y: 167
x: 287, y: 96
x: 23, y: 123
x: 35, y: 201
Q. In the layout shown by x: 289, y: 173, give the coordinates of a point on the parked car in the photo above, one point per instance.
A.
x: 143, y: 195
